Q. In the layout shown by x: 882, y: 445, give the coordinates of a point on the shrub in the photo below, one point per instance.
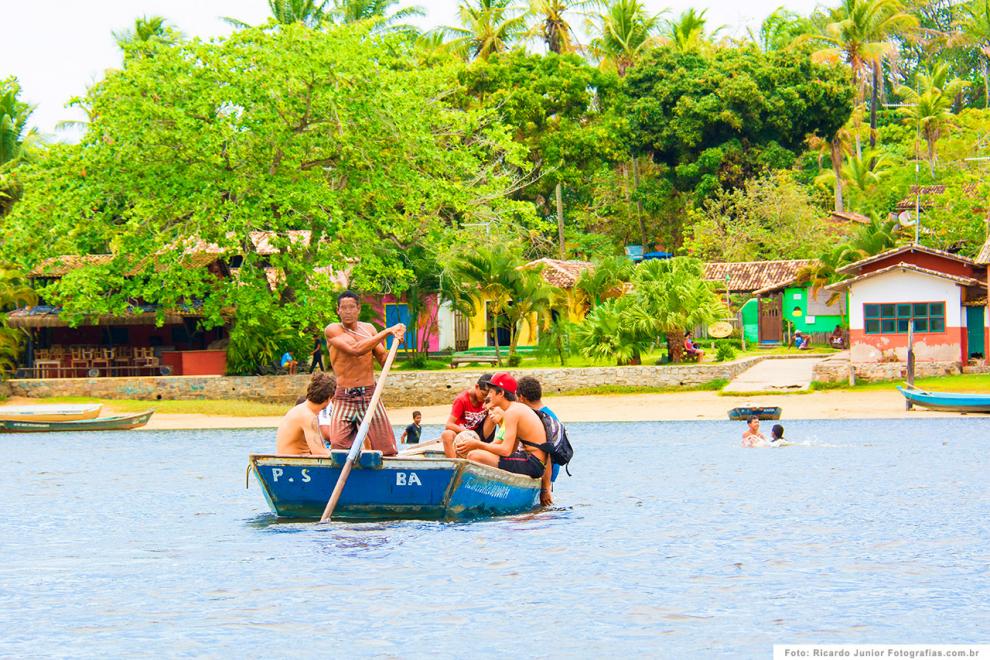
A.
x: 724, y: 352
x: 514, y: 360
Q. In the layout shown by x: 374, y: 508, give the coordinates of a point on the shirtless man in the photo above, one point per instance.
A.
x: 299, y: 432
x: 752, y: 437
x: 512, y: 450
x: 352, y: 346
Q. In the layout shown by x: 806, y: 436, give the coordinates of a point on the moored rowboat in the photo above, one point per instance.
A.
x: 59, y: 412
x: 743, y: 413
x: 392, y: 487
x: 113, y: 423
x: 949, y: 401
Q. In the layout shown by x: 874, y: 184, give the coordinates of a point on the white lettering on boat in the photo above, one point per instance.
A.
x: 410, y: 479
x: 276, y: 473
x: 305, y: 475
x: 490, y: 488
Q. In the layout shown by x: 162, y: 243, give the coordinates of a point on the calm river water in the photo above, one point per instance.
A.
x: 669, y: 540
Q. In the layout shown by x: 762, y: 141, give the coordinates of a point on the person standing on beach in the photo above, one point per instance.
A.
x: 317, y: 361
x: 353, y: 344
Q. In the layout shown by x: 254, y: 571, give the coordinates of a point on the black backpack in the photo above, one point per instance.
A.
x: 557, y: 446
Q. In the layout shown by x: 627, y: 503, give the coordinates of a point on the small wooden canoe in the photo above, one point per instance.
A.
x: 743, y: 413
x: 948, y: 401
x: 392, y: 487
x: 113, y: 423
x: 58, y: 412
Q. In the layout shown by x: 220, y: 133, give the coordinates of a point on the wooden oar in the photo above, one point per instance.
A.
x: 422, y: 448
x: 361, y: 434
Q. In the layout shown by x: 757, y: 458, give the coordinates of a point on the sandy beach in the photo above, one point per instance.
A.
x: 835, y: 404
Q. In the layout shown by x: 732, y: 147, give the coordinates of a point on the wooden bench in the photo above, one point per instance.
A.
x: 470, y: 358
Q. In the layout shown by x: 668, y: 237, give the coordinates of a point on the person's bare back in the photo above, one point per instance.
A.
x: 298, y: 433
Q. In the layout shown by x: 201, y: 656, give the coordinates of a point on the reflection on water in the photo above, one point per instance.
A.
x: 669, y: 539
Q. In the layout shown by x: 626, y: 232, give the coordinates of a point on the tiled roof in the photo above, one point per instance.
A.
x: 264, y: 241
x: 558, y: 273
x: 747, y: 276
x: 984, y: 256
x: 899, y: 250
x: 924, y: 194
x: 60, y: 266
x: 850, y: 216
x: 966, y: 281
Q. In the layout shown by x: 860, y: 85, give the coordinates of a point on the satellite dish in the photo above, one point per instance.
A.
x: 906, y: 219
x: 720, y: 329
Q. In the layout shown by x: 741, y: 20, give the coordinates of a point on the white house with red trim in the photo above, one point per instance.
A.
x: 940, y: 296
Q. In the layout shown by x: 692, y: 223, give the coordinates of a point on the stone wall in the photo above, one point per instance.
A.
x: 405, y: 388
x: 835, y: 371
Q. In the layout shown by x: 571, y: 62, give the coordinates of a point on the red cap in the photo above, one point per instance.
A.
x: 504, y: 381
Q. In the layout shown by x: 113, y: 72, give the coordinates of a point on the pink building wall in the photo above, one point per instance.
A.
x: 427, y: 326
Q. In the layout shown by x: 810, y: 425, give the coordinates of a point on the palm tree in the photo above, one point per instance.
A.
x: 975, y: 30
x: 824, y: 271
x: 930, y: 106
x: 18, y: 143
x: 863, y: 172
x: 860, y: 34
x: 146, y: 30
x: 308, y: 12
x: 377, y: 11
x: 487, y: 273
x: 606, y: 333
x: 607, y: 278
x: 779, y: 29
x: 624, y: 30
x: 553, y: 26
x: 487, y: 27
x: 687, y: 33
x: 529, y: 295
x: 14, y: 292
x: 673, y: 297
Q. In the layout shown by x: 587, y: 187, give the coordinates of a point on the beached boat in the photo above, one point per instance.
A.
x: 743, y: 413
x: 950, y: 401
x: 113, y: 423
x: 58, y: 412
x: 392, y: 487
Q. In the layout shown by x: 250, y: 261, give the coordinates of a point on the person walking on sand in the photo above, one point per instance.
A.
x: 353, y: 344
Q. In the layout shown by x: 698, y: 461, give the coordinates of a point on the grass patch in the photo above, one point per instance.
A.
x: 224, y: 408
x: 605, y: 390
x: 959, y: 383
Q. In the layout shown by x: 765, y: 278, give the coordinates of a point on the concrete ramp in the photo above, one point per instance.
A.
x: 769, y: 375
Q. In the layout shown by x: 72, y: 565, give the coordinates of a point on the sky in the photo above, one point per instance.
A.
x: 58, y: 48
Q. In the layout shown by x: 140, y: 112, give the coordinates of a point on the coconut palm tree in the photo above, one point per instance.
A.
x: 779, y: 29
x: 378, y: 11
x: 607, y: 334
x: 974, y: 27
x: 623, y: 31
x: 861, y: 34
x: 687, y: 33
x: 14, y: 292
x: 607, y: 278
x: 18, y: 143
x: 529, y: 296
x: 930, y: 106
x: 553, y: 25
x: 146, y: 29
x: 309, y: 12
x: 863, y: 172
x: 487, y: 27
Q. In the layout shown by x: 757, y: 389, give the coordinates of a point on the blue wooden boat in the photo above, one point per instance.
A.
x: 392, y: 487
x: 112, y: 423
x: 744, y: 413
x: 950, y: 401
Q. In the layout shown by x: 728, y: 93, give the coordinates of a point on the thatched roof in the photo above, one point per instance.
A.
x: 47, y: 316
x: 62, y: 265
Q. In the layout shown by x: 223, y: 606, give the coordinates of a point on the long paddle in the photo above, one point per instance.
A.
x: 361, y: 434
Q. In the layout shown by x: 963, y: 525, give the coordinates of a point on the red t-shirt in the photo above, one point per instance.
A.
x: 466, y: 413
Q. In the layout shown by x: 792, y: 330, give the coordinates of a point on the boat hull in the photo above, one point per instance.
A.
x: 114, y: 423
x: 947, y: 401
x: 50, y: 413
x: 743, y: 413
x: 392, y: 488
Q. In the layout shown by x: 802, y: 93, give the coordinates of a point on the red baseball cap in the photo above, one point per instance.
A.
x: 504, y: 381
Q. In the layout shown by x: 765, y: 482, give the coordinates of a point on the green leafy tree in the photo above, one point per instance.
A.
x: 18, y: 143
x: 332, y: 132
x: 974, y: 25
x: 607, y: 334
x: 605, y: 280
x: 487, y: 274
x: 15, y: 292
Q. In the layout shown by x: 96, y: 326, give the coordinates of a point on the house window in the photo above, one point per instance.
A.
x: 895, y: 318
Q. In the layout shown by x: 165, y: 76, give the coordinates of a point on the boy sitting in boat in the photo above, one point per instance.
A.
x: 299, y: 432
x: 466, y: 414
x: 522, y: 432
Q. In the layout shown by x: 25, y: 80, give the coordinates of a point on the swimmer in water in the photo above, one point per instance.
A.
x: 777, y: 434
x: 752, y: 437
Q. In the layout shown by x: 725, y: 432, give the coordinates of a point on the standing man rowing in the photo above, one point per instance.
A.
x: 352, y: 346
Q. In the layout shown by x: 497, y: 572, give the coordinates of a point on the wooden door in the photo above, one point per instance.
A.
x: 770, y: 320
x: 462, y: 332
x: 974, y: 332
